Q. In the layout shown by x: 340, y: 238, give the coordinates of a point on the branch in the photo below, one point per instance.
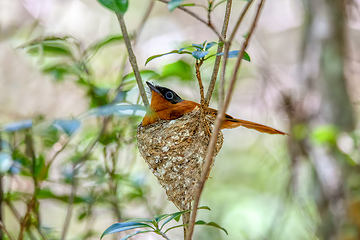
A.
x: 227, y: 45
x: 132, y: 59
x: 198, y: 18
x: 218, y: 123
x: 6, y: 231
x: 74, y: 182
x: 240, y: 19
x: 219, y: 50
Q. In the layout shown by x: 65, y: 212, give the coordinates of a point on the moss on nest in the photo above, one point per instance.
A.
x: 175, y: 151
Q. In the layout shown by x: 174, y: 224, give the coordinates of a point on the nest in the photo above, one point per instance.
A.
x: 175, y: 152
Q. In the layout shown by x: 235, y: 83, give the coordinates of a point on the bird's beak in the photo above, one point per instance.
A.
x: 152, y: 87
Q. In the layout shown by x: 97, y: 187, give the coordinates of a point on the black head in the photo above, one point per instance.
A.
x: 166, y: 93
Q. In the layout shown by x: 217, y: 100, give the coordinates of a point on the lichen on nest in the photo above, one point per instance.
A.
x: 175, y: 151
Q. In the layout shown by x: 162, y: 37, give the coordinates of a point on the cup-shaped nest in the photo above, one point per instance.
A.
x: 175, y: 152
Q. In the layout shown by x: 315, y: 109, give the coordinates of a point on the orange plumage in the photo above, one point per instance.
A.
x: 167, y: 105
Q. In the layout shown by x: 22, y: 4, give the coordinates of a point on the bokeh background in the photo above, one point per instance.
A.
x: 260, y: 187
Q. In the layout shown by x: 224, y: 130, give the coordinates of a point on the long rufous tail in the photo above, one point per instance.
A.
x: 233, y: 123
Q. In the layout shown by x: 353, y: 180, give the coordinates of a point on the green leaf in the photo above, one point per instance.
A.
x: 120, y: 110
x: 6, y: 162
x: 235, y: 53
x: 188, y: 5
x: 41, y: 169
x: 174, y: 215
x: 50, y: 47
x: 118, y: 6
x: 16, y: 126
x: 180, y: 51
x: 212, y: 224
x: 199, y: 47
x: 59, y: 71
x: 104, y: 42
x: 210, y: 45
x: 177, y: 215
x: 199, y: 54
x: 180, y: 69
x: 69, y: 126
x: 159, y: 55
x: 119, y: 227
x: 325, y: 134
x: 174, y: 4
x: 46, y: 193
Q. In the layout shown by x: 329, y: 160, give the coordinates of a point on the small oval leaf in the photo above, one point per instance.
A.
x: 234, y: 54
x: 174, y: 4
x: 69, y: 126
x: 6, y: 162
x: 159, y: 55
x: 118, y: 6
x: 16, y: 126
x: 199, y: 54
x: 212, y: 224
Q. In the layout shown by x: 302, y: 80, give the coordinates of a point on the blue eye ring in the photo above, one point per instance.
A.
x: 169, y: 95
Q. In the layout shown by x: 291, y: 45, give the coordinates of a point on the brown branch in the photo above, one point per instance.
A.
x: 239, y: 21
x: 218, y: 123
x: 24, y: 221
x: 134, y: 39
x: 132, y: 59
x: 227, y: 45
x: 6, y: 231
x: 219, y: 49
x: 18, y: 217
x: 201, y: 86
x: 198, y: 18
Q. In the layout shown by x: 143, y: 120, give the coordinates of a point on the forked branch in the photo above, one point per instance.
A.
x: 218, y: 122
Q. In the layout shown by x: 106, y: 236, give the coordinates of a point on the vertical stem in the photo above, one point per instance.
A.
x: 219, y: 49
x: 132, y: 59
x: 217, y: 127
x: 222, y: 76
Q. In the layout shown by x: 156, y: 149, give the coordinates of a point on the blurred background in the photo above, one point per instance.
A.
x: 69, y: 166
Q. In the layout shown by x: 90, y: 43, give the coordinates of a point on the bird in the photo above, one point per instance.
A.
x: 167, y: 105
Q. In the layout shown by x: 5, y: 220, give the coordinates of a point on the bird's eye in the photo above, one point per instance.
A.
x: 169, y: 95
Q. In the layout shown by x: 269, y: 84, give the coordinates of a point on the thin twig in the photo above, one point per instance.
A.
x: 164, y: 235
x: 132, y: 59
x: 227, y: 45
x: 6, y: 231
x: 24, y: 221
x: 143, y: 21
x: 18, y: 217
x: 134, y: 39
x: 239, y: 21
x: 218, y: 123
x: 219, y: 49
x: 198, y: 18
x: 74, y: 182
x: 201, y: 86
x: 222, y: 74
